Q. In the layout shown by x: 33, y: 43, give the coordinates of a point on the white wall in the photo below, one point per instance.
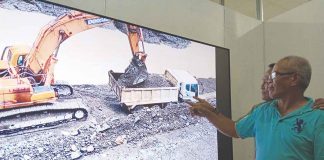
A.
x: 244, y: 38
x: 199, y: 20
x: 94, y: 6
x: 299, y: 32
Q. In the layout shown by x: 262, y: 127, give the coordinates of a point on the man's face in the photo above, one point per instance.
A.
x: 265, y: 86
x: 281, y: 79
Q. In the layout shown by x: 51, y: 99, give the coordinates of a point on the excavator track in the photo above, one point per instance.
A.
x: 41, y: 117
x: 63, y: 90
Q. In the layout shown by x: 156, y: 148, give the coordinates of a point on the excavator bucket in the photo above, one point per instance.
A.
x: 135, y: 74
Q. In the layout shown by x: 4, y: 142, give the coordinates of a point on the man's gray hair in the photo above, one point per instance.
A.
x: 302, y: 67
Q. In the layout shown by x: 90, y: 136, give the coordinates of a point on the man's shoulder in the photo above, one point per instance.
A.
x: 264, y: 105
x: 319, y: 113
x: 318, y: 117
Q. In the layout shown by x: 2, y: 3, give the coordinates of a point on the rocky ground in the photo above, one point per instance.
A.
x: 107, y: 127
x: 193, y: 142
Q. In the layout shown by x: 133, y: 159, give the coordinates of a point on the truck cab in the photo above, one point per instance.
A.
x: 187, y: 84
x: 188, y: 90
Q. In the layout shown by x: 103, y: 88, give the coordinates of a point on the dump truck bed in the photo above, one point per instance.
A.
x: 132, y: 97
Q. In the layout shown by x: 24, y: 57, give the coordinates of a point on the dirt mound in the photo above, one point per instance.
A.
x: 153, y: 80
x: 108, y: 126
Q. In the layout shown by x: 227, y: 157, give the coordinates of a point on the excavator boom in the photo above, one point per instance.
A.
x: 43, y: 55
x: 27, y: 85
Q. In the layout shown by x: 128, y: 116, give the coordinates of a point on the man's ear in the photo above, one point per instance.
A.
x: 294, y: 79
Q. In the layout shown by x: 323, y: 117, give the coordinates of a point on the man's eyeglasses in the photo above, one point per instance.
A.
x: 275, y: 74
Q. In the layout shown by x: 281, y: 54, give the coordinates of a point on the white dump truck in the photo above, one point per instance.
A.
x: 184, y: 81
x: 184, y: 87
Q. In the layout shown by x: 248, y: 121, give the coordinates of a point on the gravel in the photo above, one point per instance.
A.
x: 153, y: 80
x: 206, y: 85
x: 108, y: 126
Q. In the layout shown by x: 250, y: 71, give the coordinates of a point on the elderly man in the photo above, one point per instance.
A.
x: 319, y: 103
x: 285, y: 128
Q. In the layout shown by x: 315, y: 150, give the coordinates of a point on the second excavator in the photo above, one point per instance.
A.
x: 27, y: 84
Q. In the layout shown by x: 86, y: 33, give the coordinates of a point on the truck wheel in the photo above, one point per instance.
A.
x: 180, y: 100
x: 126, y: 108
x: 163, y: 105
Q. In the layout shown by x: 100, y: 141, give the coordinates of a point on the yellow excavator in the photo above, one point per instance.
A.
x: 27, y: 84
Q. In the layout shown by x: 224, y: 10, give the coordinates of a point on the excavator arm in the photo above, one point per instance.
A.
x: 43, y: 55
x: 39, y: 63
x: 28, y: 77
x: 136, y: 41
x: 136, y: 73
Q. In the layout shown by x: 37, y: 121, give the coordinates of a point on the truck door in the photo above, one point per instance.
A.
x: 191, y: 90
x: 194, y: 89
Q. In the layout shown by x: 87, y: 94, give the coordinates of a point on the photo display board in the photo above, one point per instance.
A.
x: 107, y: 89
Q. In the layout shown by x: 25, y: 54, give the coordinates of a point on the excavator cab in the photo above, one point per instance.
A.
x: 3, y: 68
x: 13, y: 56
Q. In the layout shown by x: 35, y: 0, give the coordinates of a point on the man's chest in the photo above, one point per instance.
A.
x: 293, y: 130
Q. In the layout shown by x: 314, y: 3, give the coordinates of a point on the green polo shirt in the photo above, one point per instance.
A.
x: 296, y: 136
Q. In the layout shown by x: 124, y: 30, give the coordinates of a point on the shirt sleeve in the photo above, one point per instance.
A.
x: 319, y: 141
x: 245, y: 126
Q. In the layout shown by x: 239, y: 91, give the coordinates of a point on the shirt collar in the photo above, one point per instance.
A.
x: 304, y: 109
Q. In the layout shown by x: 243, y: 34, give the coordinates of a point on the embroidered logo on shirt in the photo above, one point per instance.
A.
x: 299, y: 125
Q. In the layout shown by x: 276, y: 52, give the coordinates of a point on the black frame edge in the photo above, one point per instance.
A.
x: 223, y: 86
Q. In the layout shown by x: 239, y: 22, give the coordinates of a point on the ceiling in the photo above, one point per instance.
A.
x: 271, y: 8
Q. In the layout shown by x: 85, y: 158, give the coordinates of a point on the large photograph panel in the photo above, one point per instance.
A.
x: 77, y: 85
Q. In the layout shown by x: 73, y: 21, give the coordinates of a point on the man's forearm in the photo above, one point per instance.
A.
x: 222, y: 123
